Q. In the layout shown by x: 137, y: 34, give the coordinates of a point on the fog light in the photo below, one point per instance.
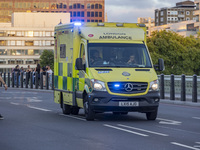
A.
x: 96, y: 99
x: 156, y: 100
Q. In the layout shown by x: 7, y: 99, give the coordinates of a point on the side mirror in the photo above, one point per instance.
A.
x: 79, y: 65
x: 160, y: 66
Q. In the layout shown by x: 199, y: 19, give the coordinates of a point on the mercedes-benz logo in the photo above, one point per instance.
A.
x: 126, y: 74
x: 128, y: 87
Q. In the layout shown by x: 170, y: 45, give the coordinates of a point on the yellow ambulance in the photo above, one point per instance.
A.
x: 105, y: 67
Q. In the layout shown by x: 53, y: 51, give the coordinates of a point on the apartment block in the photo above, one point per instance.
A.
x: 148, y: 21
x: 80, y: 10
x: 183, y: 11
x: 24, y: 39
x: 197, y: 14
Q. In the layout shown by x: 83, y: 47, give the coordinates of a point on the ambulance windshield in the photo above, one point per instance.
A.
x: 118, y: 55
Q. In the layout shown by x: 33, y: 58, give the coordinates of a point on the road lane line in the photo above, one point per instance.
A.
x: 143, y: 130
x: 196, y: 118
x: 186, y: 146
x: 37, y: 108
x: 14, y: 103
x: 170, y: 122
x: 70, y: 116
x: 129, y: 131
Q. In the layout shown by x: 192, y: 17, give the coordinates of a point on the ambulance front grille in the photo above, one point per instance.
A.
x: 127, y: 87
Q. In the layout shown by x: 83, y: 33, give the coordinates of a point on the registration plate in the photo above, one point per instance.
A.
x: 129, y: 104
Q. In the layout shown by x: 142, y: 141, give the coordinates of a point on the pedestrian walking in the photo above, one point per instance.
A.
x: 28, y: 71
x: 5, y: 86
x: 49, y: 71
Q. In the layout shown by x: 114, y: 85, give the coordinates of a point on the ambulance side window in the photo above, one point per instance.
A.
x: 82, y: 53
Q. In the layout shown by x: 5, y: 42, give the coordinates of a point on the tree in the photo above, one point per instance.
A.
x: 181, y: 54
x: 47, y: 58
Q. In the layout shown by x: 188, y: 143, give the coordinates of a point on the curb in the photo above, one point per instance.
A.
x: 28, y: 89
x: 184, y: 103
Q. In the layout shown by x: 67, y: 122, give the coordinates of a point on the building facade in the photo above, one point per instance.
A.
x: 24, y: 39
x: 184, y: 28
x: 197, y: 14
x: 80, y: 10
x: 149, y: 22
x: 183, y: 11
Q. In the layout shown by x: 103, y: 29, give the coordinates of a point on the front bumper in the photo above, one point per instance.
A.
x: 103, y: 102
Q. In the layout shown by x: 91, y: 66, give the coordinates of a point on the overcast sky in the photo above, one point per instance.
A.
x: 130, y: 10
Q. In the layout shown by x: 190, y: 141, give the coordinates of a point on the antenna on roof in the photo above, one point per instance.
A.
x: 60, y: 22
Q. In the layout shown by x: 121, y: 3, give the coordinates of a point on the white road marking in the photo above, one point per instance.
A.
x: 197, y: 146
x: 143, y: 130
x: 186, y: 146
x: 196, y: 118
x: 129, y: 131
x: 37, y: 108
x: 33, y: 99
x: 15, y: 103
x: 70, y: 116
x: 170, y: 122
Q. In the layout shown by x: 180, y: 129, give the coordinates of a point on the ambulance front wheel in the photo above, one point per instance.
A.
x: 89, y: 113
x: 152, y: 115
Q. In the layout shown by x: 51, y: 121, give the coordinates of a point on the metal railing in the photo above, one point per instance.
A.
x: 171, y: 85
x: 179, y: 85
x: 25, y: 80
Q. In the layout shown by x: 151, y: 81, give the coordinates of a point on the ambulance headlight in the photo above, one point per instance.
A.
x: 98, y: 85
x: 154, y: 86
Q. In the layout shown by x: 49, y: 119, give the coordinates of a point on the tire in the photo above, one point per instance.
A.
x: 66, y: 109
x: 89, y: 113
x: 74, y: 110
x: 152, y: 115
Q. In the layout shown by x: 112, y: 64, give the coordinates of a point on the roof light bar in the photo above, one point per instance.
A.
x: 120, y: 25
x: 100, y: 24
x: 77, y: 24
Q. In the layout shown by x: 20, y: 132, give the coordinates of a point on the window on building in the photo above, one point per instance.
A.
x: 100, y: 14
x: 2, y: 42
x: 161, y: 19
x: 70, y: 6
x: 78, y: 14
x: 78, y: 6
x: 187, y: 18
x: 100, y: 20
x: 82, y: 20
x: 30, y: 52
x: 18, y: 43
x: 161, y: 13
x: 168, y: 12
x: 96, y: 6
x: 92, y: 20
x: 168, y: 19
x: 88, y: 14
x: 70, y: 13
x: 74, y: 6
x: 92, y: 6
x: 82, y: 6
x: 187, y: 12
x: 96, y: 20
x: 92, y: 14
x: 28, y: 43
x: 88, y: 6
x: 74, y: 14
x: 100, y: 6
x: 96, y: 14
x: 82, y: 14
x: 88, y: 20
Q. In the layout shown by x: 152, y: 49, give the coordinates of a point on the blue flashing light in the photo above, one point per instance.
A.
x: 116, y: 85
x: 77, y: 24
